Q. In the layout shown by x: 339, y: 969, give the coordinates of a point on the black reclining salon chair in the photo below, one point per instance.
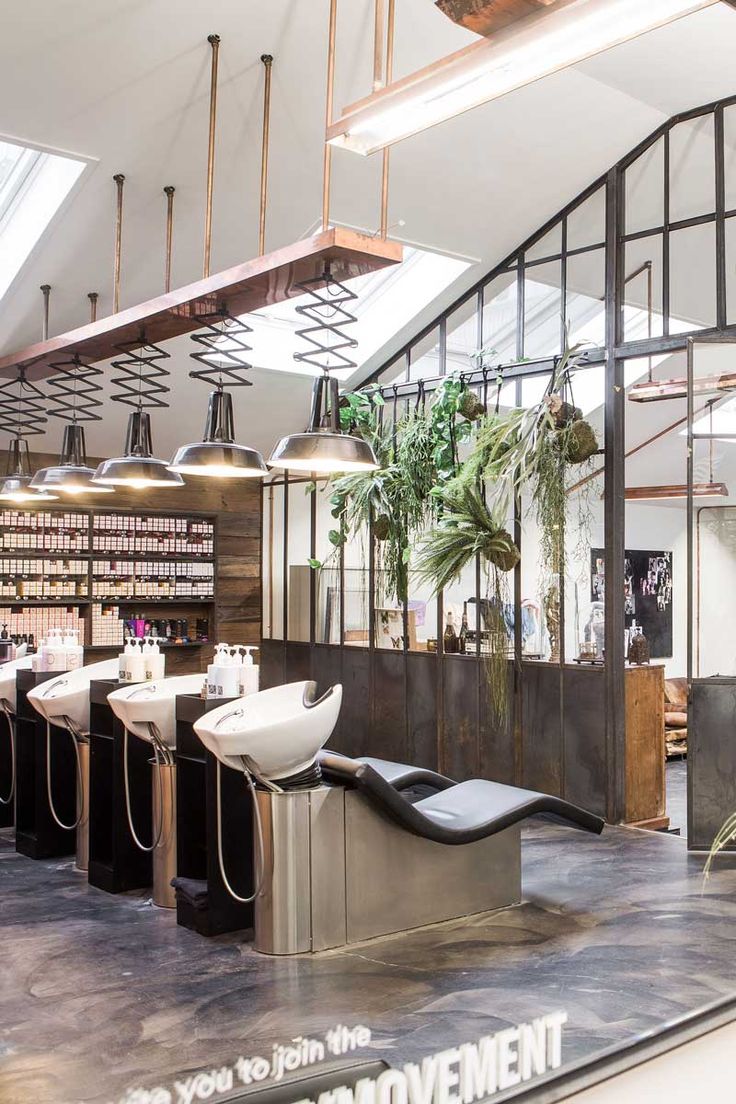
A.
x: 457, y: 812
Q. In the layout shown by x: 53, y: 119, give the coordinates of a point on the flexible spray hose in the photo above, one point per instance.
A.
x: 11, y: 736
x: 80, y: 781
x: 260, y: 866
x: 158, y: 833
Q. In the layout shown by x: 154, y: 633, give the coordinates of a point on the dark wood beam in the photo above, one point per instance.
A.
x: 241, y: 289
x: 486, y: 17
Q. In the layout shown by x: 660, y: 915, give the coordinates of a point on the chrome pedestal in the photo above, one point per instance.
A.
x: 82, y: 857
x: 338, y: 872
x: 164, y: 818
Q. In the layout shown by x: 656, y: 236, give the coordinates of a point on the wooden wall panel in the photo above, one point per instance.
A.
x: 541, y: 728
x: 389, y: 730
x: 645, y: 751
x: 496, y: 751
x: 236, y: 505
x: 584, y: 738
x: 353, y: 733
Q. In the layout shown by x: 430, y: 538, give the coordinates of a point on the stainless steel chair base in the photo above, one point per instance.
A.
x: 82, y: 857
x: 164, y: 816
x: 338, y: 872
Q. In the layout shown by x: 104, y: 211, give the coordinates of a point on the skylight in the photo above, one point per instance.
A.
x: 33, y: 185
x: 388, y: 299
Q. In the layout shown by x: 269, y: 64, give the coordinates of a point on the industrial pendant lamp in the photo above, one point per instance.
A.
x: 75, y: 400
x: 138, y: 468
x: 223, y: 360
x: 16, y: 486
x: 141, y: 385
x: 25, y: 417
x: 324, y: 448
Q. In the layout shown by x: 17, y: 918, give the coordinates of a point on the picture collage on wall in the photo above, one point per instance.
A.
x: 647, y: 595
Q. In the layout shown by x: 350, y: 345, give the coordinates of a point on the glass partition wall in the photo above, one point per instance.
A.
x: 629, y: 271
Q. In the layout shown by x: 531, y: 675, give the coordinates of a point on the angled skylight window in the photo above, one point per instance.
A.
x: 388, y: 299
x: 33, y: 185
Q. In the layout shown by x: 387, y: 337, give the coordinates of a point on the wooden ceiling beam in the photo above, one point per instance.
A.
x: 242, y: 289
x: 486, y: 17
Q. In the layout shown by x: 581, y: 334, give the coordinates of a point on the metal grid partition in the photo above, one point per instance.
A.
x: 616, y: 267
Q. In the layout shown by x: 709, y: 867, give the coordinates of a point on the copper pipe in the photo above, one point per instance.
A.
x: 169, y: 193
x: 214, y: 41
x: 46, y: 291
x: 119, y: 181
x: 93, y: 297
x: 386, y: 151
x: 327, y: 160
x: 267, y: 60
x: 378, y: 81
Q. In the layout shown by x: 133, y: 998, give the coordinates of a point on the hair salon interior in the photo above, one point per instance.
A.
x: 367, y: 550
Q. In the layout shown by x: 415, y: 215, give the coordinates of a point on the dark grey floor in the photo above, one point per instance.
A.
x: 676, y: 778
x: 101, y: 993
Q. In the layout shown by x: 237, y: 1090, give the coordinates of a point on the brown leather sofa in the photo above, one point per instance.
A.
x: 675, y: 716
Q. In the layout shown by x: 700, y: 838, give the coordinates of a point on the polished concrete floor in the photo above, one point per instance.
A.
x: 99, y: 993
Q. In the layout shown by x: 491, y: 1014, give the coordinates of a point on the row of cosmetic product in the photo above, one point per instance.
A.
x: 141, y: 660
x: 174, y: 630
x: 232, y: 673
x: 59, y: 651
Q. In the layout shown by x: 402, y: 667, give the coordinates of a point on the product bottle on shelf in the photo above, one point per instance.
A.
x: 74, y: 652
x: 249, y: 672
x: 462, y: 640
x: 450, y: 640
x: 155, y: 662
x: 136, y: 664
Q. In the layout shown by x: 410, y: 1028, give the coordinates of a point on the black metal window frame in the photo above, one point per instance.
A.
x: 400, y: 390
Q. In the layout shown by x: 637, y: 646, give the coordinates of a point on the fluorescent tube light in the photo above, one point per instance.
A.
x: 528, y: 50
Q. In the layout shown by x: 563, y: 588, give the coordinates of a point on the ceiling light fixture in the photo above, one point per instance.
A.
x: 141, y: 385
x: 711, y: 489
x: 653, y: 390
x: 223, y: 359
x: 22, y: 416
x: 74, y: 400
x: 515, y: 56
x: 324, y: 448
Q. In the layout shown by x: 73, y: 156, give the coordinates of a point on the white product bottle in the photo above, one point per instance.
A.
x: 212, y: 671
x: 54, y: 654
x: 155, y: 661
x: 250, y: 672
x: 136, y: 664
x: 123, y: 660
x: 74, y: 652
x: 228, y: 681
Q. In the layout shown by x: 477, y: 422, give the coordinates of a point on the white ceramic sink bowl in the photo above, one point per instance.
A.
x: 8, y: 672
x: 279, y: 730
x: 153, y: 703
x: 67, y: 697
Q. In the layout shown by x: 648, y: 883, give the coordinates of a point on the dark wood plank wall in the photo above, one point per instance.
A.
x: 236, y: 505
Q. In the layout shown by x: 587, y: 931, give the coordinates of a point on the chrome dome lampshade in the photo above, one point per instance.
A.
x: 72, y: 475
x: 138, y: 468
x: 217, y: 456
x: 324, y: 448
x: 16, y: 486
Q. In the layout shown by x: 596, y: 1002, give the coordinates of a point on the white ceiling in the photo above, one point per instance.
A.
x: 126, y: 85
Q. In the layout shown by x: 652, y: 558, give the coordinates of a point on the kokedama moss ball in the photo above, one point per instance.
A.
x: 381, y: 527
x: 470, y: 406
x: 580, y: 442
x: 505, y: 555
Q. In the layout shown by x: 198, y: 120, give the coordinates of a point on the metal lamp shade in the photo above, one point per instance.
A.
x: 16, y: 486
x: 217, y: 456
x: 323, y: 452
x: 71, y: 476
x: 138, y: 468
x: 323, y: 448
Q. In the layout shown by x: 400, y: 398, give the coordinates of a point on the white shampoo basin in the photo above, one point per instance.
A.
x: 279, y: 730
x: 153, y: 703
x: 66, y: 698
x: 8, y: 672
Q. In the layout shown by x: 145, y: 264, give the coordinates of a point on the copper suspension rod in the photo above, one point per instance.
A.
x: 327, y: 161
x: 46, y: 292
x: 386, y: 149
x: 267, y: 60
x: 378, y: 81
x: 169, y: 193
x: 93, y: 297
x: 214, y: 41
x: 119, y: 181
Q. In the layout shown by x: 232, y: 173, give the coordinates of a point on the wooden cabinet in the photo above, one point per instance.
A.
x: 645, y: 749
